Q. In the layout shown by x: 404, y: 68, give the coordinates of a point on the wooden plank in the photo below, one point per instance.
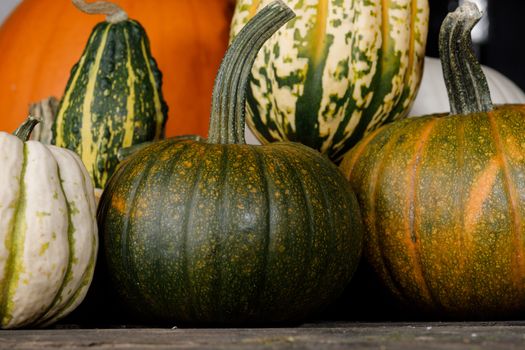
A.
x: 391, y: 336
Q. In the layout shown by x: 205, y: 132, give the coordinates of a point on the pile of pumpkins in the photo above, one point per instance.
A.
x: 219, y: 232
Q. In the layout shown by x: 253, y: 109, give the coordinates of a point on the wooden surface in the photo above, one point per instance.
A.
x: 318, y: 336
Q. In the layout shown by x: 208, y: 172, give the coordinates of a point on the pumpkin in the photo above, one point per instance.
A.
x: 47, y: 229
x: 188, y: 39
x: 337, y: 72
x: 113, y: 98
x: 443, y: 196
x: 432, y: 95
x: 220, y: 232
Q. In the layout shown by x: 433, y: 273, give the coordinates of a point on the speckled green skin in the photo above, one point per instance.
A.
x: 113, y: 98
x: 227, y: 234
x: 443, y: 201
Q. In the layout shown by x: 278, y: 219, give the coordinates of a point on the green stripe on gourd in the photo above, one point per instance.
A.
x: 113, y: 98
x: 336, y: 72
x: 49, y: 229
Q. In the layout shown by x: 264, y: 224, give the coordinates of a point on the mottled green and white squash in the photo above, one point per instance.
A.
x: 113, y: 98
x: 48, y: 231
x: 336, y: 72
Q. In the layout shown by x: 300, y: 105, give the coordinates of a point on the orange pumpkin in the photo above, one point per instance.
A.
x: 42, y: 40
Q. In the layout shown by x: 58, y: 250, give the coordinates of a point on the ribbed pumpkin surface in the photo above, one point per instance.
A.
x: 199, y: 232
x: 443, y: 199
x: 337, y: 71
x: 48, y: 232
x: 113, y: 98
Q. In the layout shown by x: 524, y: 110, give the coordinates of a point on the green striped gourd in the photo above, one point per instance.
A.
x: 218, y: 231
x: 47, y: 229
x: 113, y: 98
x: 338, y: 71
x: 443, y: 195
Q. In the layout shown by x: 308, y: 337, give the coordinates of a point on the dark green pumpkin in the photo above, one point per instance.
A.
x: 222, y: 232
x: 113, y: 98
x: 443, y: 196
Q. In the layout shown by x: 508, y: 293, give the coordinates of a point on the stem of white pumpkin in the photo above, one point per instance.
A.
x: 24, y: 131
x: 467, y: 87
x: 229, y: 93
x: 113, y: 12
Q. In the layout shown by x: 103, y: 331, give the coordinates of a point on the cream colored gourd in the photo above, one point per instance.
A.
x: 48, y: 231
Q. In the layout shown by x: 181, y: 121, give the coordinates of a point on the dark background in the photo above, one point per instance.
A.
x: 504, y: 49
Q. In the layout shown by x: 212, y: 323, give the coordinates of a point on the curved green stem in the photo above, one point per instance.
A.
x: 467, y: 87
x: 24, y: 131
x: 229, y: 93
x: 113, y: 12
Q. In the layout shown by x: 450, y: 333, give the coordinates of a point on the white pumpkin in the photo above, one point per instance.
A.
x: 48, y: 231
x: 432, y: 96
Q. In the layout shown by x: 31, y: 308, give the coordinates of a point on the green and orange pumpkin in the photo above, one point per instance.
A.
x: 222, y: 232
x: 443, y: 196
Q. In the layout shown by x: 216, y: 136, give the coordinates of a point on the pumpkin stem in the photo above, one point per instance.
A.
x: 24, y: 131
x: 229, y: 93
x: 45, y: 111
x: 467, y: 87
x: 113, y: 12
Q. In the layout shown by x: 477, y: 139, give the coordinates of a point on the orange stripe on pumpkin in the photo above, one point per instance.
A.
x: 480, y: 191
x: 513, y: 198
x: 348, y: 163
x: 412, y: 239
x: 373, y: 241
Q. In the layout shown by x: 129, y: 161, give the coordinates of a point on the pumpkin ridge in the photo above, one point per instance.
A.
x: 80, y: 291
x: 222, y: 197
x: 412, y: 240
x: 266, y: 195
x: 67, y: 275
x: 190, y: 205
x: 171, y: 164
x: 332, y: 246
x: 87, y: 276
x: 373, y: 239
x: 350, y: 162
x: 125, y: 232
x: 512, y: 195
x: 12, y: 242
x: 294, y: 173
x: 461, y: 213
